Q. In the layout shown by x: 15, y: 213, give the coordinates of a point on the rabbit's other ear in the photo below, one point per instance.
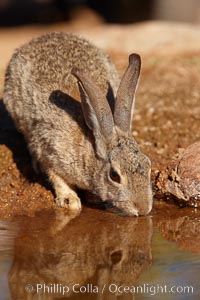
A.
x: 96, y: 110
x: 124, y: 104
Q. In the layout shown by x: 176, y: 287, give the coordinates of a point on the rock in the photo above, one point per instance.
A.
x: 182, y: 176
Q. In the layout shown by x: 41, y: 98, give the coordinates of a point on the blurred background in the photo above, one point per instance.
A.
x: 21, y: 12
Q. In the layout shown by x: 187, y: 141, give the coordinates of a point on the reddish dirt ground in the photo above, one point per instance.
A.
x: 166, y: 118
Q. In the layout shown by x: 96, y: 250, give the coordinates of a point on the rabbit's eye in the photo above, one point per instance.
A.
x: 114, y: 176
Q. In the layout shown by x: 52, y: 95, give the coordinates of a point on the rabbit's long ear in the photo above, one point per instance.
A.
x: 124, y: 104
x: 96, y: 110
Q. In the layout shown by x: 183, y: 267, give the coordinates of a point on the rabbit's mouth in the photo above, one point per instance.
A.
x: 119, y: 207
x: 131, y: 208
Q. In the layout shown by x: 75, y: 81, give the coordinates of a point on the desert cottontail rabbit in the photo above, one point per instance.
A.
x: 85, y: 143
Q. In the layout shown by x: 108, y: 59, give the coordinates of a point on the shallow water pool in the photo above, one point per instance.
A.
x: 100, y: 255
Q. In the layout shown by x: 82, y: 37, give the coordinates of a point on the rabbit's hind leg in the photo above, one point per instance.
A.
x: 65, y: 195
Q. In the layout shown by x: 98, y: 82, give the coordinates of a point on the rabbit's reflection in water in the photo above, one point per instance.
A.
x: 95, y: 248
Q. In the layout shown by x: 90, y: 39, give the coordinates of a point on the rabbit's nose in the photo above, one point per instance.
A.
x: 146, y: 207
x: 140, y: 169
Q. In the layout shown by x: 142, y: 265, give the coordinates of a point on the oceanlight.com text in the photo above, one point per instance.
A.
x: 113, y: 288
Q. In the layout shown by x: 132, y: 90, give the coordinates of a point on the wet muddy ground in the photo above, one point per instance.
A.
x: 37, y: 241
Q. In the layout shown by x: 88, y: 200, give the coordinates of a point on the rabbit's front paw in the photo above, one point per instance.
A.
x: 70, y: 201
x: 65, y: 195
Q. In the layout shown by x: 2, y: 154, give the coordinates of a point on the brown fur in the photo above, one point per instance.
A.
x: 73, y: 148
